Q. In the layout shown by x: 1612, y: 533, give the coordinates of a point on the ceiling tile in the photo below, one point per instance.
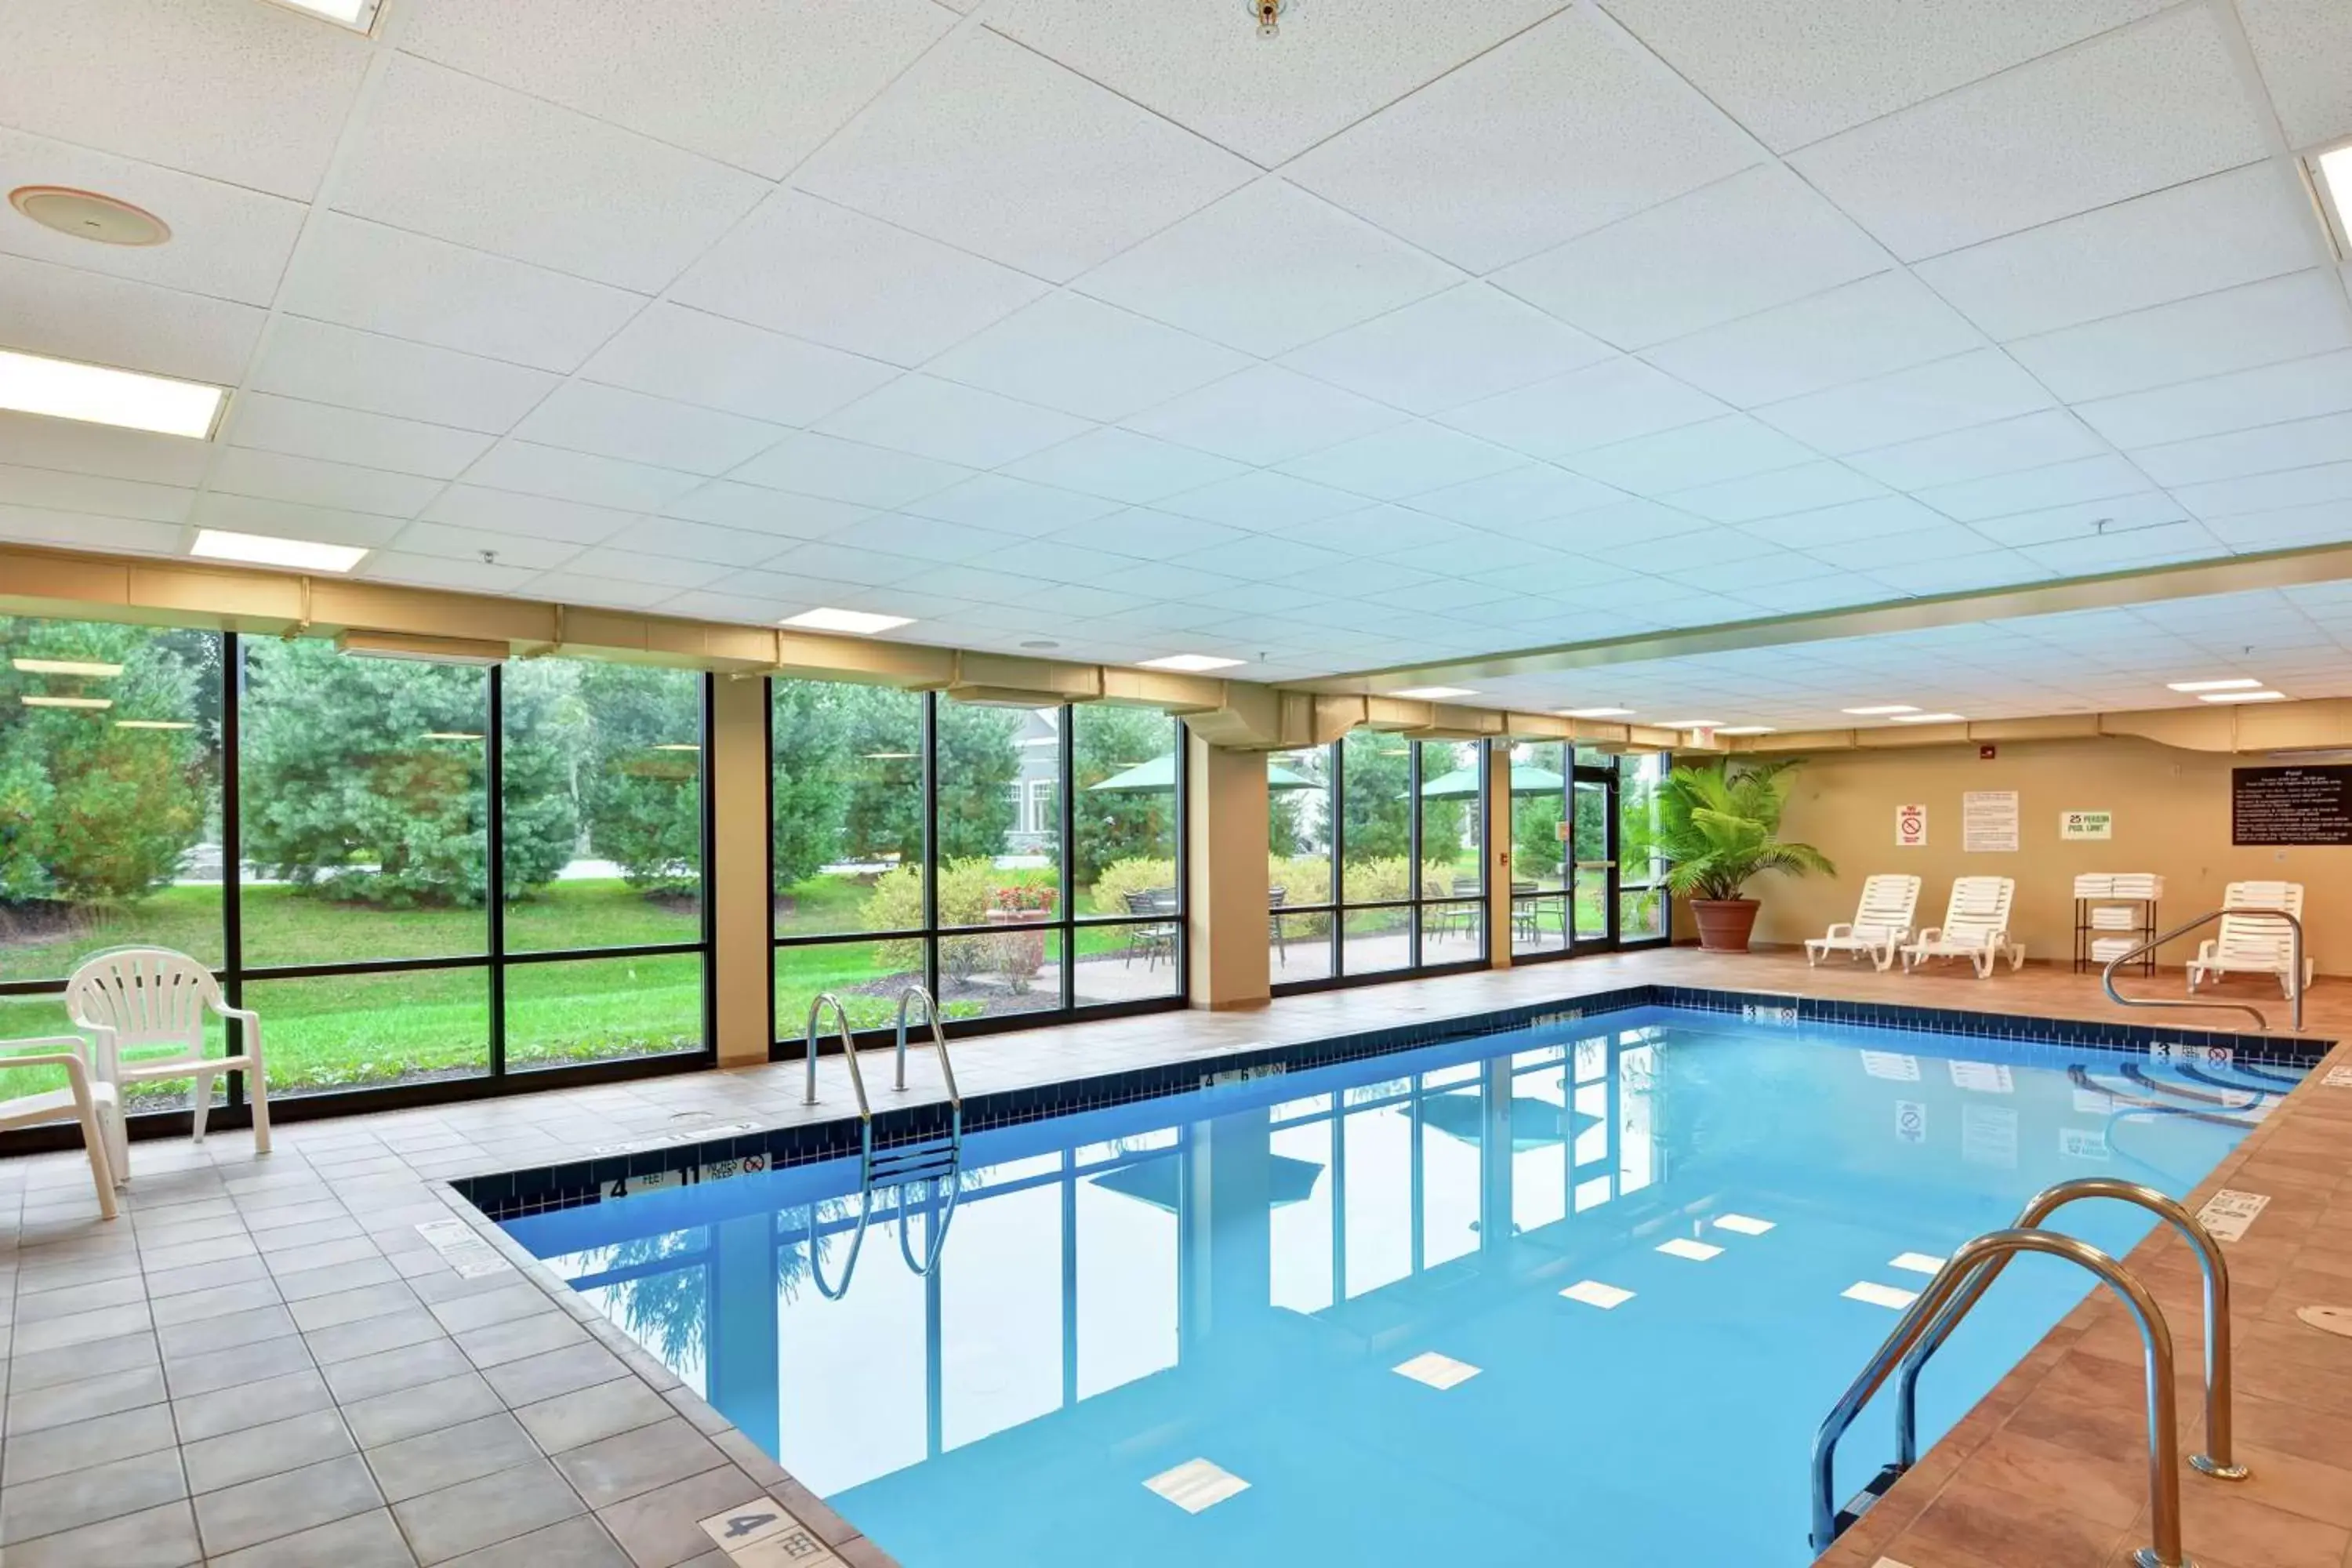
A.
x: 322, y: 363
x: 842, y: 562
x: 988, y: 146
x: 1124, y: 466
x: 1403, y: 460
x: 1758, y: 240
x: 2292, y: 389
x: 1266, y: 269
x: 840, y: 470
x: 2326, y: 522
x: 360, y: 274
x: 80, y: 531
x: 698, y: 541
x: 1263, y: 415
x: 1268, y: 104
x: 82, y: 448
x: 605, y: 420
x: 1380, y: 530
x: 2116, y: 552
x: 2077, y: 520
x: 306, y: 481
x: 1012, y: 506
x: 1263, y: 500
x: 663, y: 571
x: 1551, y: 135
x: 2216, y: 233
x: 857, y: 284
x: 2302, y: 46
x: 1259, y: 557
x: 1614, y: 401
x: 261, y: 93
x: 2298, y: 443
x: 756, y: 509
x: 1086, y: 358
x: 1515, y: 499
x: 1145, y: 534
x: 690, y: 356
x: 2027, y: 441
x: 928, y: 539
x: 54, y: 489
x: 1911, y: 406
x: 1801, y: 488
x: 71, y: 314
x: 292, y: 520
x: 1828, y: 529
x: 758, y: 86
x: 2283, y: 317
x: 1724, y: 448
x: 2267, y: 492
x: 1794, y: 71
x: 2060, y: 484
x: 426, y: 570
x: 226, y: 241
x: 1860, y: 329
x: 520, y: 553
x: 951, y: 423
x: 605, y: 593
x: 372, y: 440
x: 463, y: 160
x: 2134, y: 111
x: 535, y: 517
x: 561, y: 474
x: 1468, y: 343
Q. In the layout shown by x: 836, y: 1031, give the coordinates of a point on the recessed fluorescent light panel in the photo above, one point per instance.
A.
x: 93, y: 703
x: 68, y: 667
x: 1882, y: 711
x: 448, y: 735
x: 860, y: 623
x: 1930, y: 719
x: 1432, y: 693
x: 263, y: 549
x: 2243, y: 697
x: 2331, y: 172
x: 1692, y: 724
x: 98, y: 394
x: 153, y: 724
x: 1743, y: 729
x: 1190, y: 663
x: 357, y: 14
x: 2237, y: 683
x: 1595, y: 712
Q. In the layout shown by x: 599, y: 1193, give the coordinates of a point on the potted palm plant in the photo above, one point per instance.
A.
x: 1718, y: 827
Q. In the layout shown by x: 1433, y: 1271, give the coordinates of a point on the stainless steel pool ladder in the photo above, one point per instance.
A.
x: 932, y: 1161
x: 1962, y: 1282
x: 2262, y: 1020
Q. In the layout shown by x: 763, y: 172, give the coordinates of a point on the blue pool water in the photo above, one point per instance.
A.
x: 1234, y: 1275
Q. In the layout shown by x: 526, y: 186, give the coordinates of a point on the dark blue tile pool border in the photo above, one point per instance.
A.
x: 511, y: 1194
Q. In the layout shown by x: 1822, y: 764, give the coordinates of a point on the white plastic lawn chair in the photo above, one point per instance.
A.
x: 2249, y: 944
x: 1881, y: 922
x: 87, y: 1099
x: 133, y: 1000
x: 1976, y: 927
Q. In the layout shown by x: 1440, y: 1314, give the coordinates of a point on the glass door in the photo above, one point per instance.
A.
x: 1592, y: 858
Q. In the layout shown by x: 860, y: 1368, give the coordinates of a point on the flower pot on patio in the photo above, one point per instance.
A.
x: 1723, y: 924
x: 1018, y: 954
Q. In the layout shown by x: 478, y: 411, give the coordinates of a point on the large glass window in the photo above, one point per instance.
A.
x: 1015, y: 861
x: 1585, y: 872
x: 1403, y: 823
x: 401, y: 864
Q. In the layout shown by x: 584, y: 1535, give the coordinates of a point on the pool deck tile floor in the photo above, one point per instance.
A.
x: 264, y: 1364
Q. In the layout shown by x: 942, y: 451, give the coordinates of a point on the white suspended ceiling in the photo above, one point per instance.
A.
x: 1418, y: 332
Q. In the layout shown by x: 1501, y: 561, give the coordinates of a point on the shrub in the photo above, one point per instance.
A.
x: 1139, y: 875
x: 897, y: 904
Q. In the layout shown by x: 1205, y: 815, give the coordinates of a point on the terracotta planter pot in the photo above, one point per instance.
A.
x: 1724, y: 924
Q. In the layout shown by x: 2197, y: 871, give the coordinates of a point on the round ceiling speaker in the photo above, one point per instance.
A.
x: 86, y: 215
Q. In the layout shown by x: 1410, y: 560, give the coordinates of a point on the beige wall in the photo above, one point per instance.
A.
x: 738, y: 874
x: 1225, y: 901
x: 2172, y: 816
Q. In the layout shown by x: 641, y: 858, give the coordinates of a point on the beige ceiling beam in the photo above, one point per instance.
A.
x: 2325, y: 724
x: 2235, y: 575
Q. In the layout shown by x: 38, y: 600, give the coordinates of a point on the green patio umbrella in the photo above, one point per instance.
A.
x: 1160, y: 773
x: 1462, y: 784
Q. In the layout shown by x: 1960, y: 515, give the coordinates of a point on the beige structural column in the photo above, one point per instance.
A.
x: 736, y: 876
x: 1498, y: 840
x: 1226, y: 874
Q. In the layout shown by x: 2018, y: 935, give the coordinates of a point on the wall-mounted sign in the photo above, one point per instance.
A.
x: 1910, y: 827
x: 1989, y: 821
x: 2086, y: 825
x: 2291, y: 805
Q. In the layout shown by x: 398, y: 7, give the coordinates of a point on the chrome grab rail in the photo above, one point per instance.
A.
x: 849, y: 1053
x: 2163, y: 1472
x: 939, y: 1040
x: 2295, y: 979
x: 2218, y: 1459
x: 952, y: 1182
x: 856, y: 1245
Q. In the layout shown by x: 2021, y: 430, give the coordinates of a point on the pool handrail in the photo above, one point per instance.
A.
x: 2156, y: 1338
x: 849, y: 1053
x: 2262, y: 1020
x: 2218, y: 1460
x: 939, y: 1040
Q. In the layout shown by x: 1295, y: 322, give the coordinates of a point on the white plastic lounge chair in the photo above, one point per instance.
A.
x: 130, y: 999
x: 2250, y: 944
x: 1976, y: 927
x: 86, y: 1098
x: 1880, y: 922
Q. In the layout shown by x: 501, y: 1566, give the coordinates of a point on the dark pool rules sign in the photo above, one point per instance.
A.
x: 2291, y: 805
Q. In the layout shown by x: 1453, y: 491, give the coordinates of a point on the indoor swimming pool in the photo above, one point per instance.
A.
x: 1580, y: 1292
